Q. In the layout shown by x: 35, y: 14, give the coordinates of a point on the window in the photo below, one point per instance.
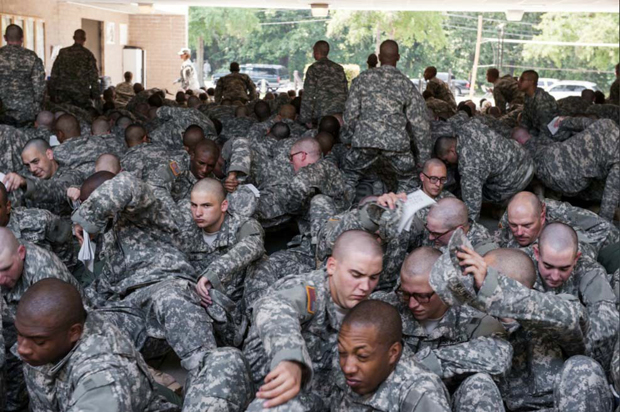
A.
x: 34, y: 32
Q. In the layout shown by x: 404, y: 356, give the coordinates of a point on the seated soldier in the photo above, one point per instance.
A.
x: 22, y: 264
x: 77, y: 361
x: 174, y: 121
x: 293, y: 335
x: 526, y: 216
x: 546, y: 331
x: 238, y: 126
x: 48, y: 188
x: 191, y: 137
x: 376, y: 372
x: 105, y: 163
x: 464, y: 347
x: 492, y: 168
x: 437, y: 88
x: 563, y: 270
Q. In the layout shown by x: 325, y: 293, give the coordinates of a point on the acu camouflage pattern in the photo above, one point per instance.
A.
x: 605, y: 111
x: 103, y: 371
x: 75, y: 78
x: 409, y: 388
x: 22, y: 82
x: 175, y: 120
x: 439, y: 107
x: 235, y: 86
x: 325, y: 91
x: 478, y: 393
x: 573, y: 105
x: 506, y: 94
x: 440, y: 90
x: 80, y: 153
x: 124, y: 93
x: 145, y: 160
x: 614, y: 93
x: 538, y: 111
x: 12, y: 141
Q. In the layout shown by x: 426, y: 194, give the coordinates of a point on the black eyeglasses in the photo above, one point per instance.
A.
x: 434, y: 179
x: 437, y: 235
x: 419, y: 297
x: 292, y: 155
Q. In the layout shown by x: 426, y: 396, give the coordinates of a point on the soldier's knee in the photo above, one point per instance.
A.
x: 478, y: 393
x: 582, y: 386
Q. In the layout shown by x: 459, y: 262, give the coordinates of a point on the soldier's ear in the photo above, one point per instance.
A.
x: 394, y: 353
x: 331, y: 265
x: 49, y: 153
x: 75, y: 332
x: 536, y: 252
x: 224, y: 206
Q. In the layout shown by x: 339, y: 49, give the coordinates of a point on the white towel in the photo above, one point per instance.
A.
x: 87, y: 252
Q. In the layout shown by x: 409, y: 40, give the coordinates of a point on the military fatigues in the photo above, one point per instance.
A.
x: 506, y: 93
x: 381, y: 104
x: 572, y: 105
x: 236, y: 127
x: 103, y: 372
x: 188, y: 79
x: 325, y: 91
x: 409, y: 388
x: 440, y: 90
x: 22, y: 82
x: 51, y: 194
x: 175, y: 121
x: 605, y: 111
x: 478, y: 235
x: 235, y: 86
x: 75, y: 78
x: 12, y: 142
x: 571, y: 166
x: 439, y: 107
x: 491, y: 167
x: 39, y: 264
x: 538, y: 111
x: 124, y: 93
x: 80, y: 153
x: 145, y: 159
x: 614, y: 93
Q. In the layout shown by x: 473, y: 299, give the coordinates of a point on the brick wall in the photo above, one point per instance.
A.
x: 162, y: 36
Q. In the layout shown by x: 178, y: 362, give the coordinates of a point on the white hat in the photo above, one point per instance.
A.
x: 184, y: 50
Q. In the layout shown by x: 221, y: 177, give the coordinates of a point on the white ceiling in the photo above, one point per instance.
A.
x: 611, y: 6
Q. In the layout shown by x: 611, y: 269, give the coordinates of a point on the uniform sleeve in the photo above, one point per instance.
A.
x: 51, y: 190
x: 99, y: 392
x: 241, y: 156
x: 307, y: 101
x: 611, y: 194
x: 500, y: 102
x: 472, y: 181
x: 93, y: 78
x: 38, y: 82
x: 353, y: 107
x: 219, y: 89
x: 428, y: 400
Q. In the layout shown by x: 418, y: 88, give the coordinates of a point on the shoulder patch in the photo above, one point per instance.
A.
x: 311, y: 294
x: 174, y: 167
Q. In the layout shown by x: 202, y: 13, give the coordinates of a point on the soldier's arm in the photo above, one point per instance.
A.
x: 38, y: 82
x: 352, y: 108
x: 249, y: 247
x: 472, y: 181
x: 611, y: 194
x: 344, y: 83
x: 219, y: 89
x: 252, y: 89
x: 430, y: 396
x: 417, y: 116
x: 240, y: 157
x: 102, y: 391
x: 307, y: 101
x: 52, y: 190
x: 94, y: 78
x: 500, y: 102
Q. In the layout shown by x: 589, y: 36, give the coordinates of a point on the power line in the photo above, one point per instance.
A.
x: 275, y: 23
x: 554, y: 69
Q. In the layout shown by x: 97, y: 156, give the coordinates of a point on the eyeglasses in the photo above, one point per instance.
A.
x: 419, y: 297
x: 437, y: 235
x: 434, y: 179
x: 292, y: 155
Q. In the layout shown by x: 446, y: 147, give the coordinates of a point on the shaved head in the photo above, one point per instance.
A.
x: 13, y: 33
x: 192, y: 136
x: 513, y: 263
x: 206, y: 146
x: 262, y: 110
x: 100, y: 127
x: 124, y: 122
x: 321, y: 48
x: 330, y: 124
x: 558, y: 237
x: 8, y: 242
x: 381, y: 316
x: 288, y: 111
x: 388, y: 51
x: 452, y: 211
x: 68, y: 126
x: 280, y: 131
x: 79, y: 35
x: 211, y: 186
x: 521, y: 135
x: 444, y: 144
x: 39, y: 144
x: 45, y: 119
x: 420, y: 262
x: 525, y: 202
x: 134, y: 135
x: 307, y: 144
x: 326, y: 141
x: 108, y: 162
x: 431, y: 163
x: 356, y: 241
x: 93, y: 182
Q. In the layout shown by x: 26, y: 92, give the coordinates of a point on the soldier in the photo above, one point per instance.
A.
x: 235, y: 86
x: 563, y: 270
x: 143, y: 158
x: 526, y: 215
x: 462, y: 346
x: 291, y: 344
x: 539, y: 107
x: 576, y: 105
x: 377, y: 373
x: 325, y: 87
x: 378, y: 132
x: 372, y: 61
x: 505, y: 91
x: 12, y: 141
x: 22, y: 264
x: 572, y: 166
x: 188, y: 79
x: 439, y: 107
x: 614, y: 90
x: 22, y: 77
x: 438, y: 88
x: 75, y: 78
x: 76, y: 360
x: 238, y: 126
x: 124, y: 90
x: 48, y: 188
x: 492, y: 168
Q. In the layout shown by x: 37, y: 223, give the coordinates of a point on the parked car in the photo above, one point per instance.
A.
x: 275, y: 74
x: 545, y: 83
x: 567, y: 88
x: 458, y: 87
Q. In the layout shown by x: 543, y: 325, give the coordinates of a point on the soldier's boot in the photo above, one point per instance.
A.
x: 478, y: 393
x: 581, y: 386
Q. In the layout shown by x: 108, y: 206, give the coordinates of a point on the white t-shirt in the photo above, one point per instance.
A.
x: 430, y: 324
x: 209, y: 238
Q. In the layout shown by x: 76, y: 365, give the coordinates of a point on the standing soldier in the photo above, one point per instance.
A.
x: 235, y: 86
x: 188, y: 79
x: 22, y: 77
x: 539, y: 107
x: 75, y: 78
x: 505, y: 91
x: 325, y: 87
x: 437, y: 87
x: 614, y: 90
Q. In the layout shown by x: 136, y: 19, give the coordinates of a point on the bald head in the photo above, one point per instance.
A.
x: 8, y: 242
x: 210, y: 186
x: 513, y: 263
x: 308, y: 144
x: 124, y: 122
x: 108, y: 162
x: 67, y: 127
x: 558, y: 237
x: 434, y: 163
x: 280, y: 131
x: 135, y: 135
x: 192, y: 136
x: 206, y: 146
x: 93, y: 182
x: 100, y: 127
x: 451, y: 211
x: 443, y: 145
x: 356, y: 241
x: 39, y: 144
x: 288, y: 111
x: 388, y: 53
x: 321, y: 49
x: 45, y: 120
x: 420, y: 262
x: 326, y: 141
x: 381, y: 316
x: 525, y: 203
x: 13, y: 34
x: 79, y: 36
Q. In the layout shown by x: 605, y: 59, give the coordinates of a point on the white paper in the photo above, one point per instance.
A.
x: 552, y: 127
x: 2, y: 176
x: 54, y: 141
x: 416, y: 201
x: 87, y: 252
x: 253, y: 189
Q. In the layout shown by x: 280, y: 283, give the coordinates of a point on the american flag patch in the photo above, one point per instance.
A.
x: 174, y: 166
x: 311, y: 293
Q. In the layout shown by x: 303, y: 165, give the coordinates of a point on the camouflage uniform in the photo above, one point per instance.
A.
x: 188, y: 79
x: 124, y: 93
x: 614, y: 93
x: 571, y: 166
x: 605, y: 111
x: 51, y: 194
x: 22, y: 82
x: 236, y: 127
x: 506, y: 93
x: 143, y: 272
x: 80, y: 153
x: 594, y: 233
x: 39, y: 264
x: 538, y: 112
x: 235, y: 86
x: 572, y: 105
x: 102, y: 372
x: 75, y: 78
x: 491, y: 167
x: 12, y: 142
x: 175, y: 121
x: 382, y: 105
x: 409, y: 388
x: 439, y: 107
x: 478, y: 235
x: 325, y: 90
x: 144, y: 160
x: 223, y: 385
x: 440, y: 90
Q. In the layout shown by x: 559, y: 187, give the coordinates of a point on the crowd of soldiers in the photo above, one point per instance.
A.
x: 133, y: 226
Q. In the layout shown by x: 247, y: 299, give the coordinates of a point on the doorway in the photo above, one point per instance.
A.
x: 94, y: 40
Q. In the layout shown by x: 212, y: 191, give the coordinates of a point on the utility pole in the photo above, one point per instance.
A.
x: 474, y: 70
x: 200, y: 61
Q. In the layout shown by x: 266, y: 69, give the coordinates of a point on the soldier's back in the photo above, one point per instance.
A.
x: 18, y: 93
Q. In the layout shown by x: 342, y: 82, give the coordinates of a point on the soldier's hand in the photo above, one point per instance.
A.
x: 73, y: 193
x: 474, y: 264
x: 13, y: 181
x: 202, y: 288
x: 281, y: 384
x: 79, y: 233
x: 389, y: 199
x: 231, y: 183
